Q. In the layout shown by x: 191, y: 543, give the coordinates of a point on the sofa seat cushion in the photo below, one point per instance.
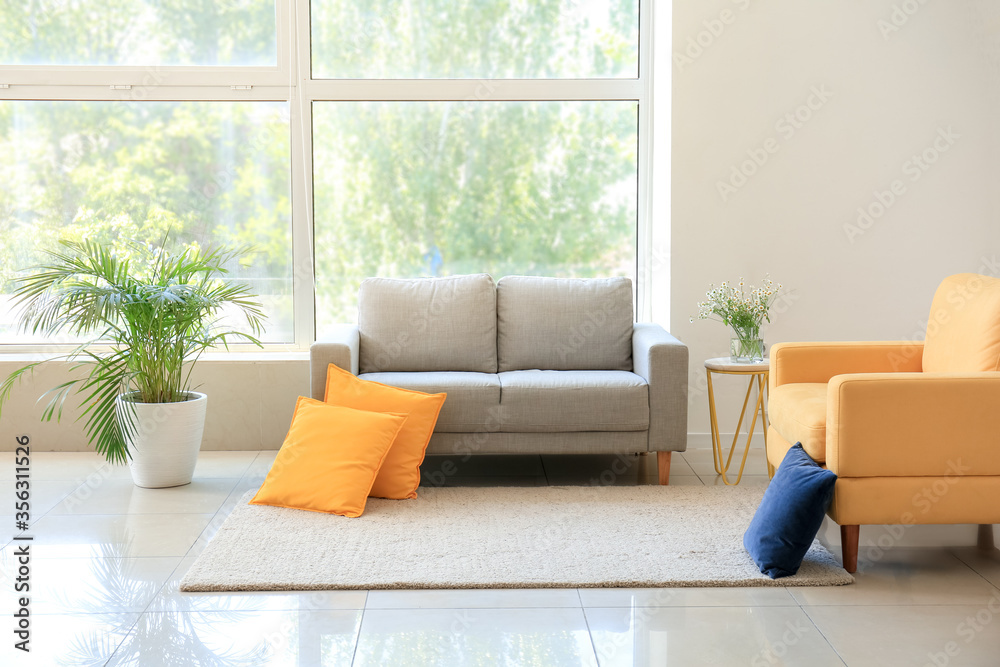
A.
x: 798, y: 412
x: 473, y: 401
x: 537, y: 401
x: 564, y: 324
x: 428, y: 324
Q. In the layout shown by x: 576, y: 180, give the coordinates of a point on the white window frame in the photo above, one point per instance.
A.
x: 291, y: 81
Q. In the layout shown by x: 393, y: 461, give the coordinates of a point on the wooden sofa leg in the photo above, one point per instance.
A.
x: 663, y: 467
x: 849, y: 536
x: 985, y: 540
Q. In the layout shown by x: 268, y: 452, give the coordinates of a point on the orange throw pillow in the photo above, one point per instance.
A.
x: 399, y: 476
x: 329, y: 459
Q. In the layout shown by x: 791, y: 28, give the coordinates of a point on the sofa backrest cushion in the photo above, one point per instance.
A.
x: 564, y: 324
x: 428, y: 324
x: 963, y: 330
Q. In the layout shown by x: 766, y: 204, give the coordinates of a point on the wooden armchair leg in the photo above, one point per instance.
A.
x: 663, y: 467
x: 849, y: 536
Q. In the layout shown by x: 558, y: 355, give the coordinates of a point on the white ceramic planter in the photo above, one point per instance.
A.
x: 166, y: 440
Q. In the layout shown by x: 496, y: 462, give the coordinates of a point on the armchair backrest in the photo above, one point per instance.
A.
x: 963, y: 330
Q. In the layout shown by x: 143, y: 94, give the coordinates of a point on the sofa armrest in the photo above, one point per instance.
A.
x: 662, y: 361
x: 341, y: 347
x: 913, y: 424
x: 818, y: 362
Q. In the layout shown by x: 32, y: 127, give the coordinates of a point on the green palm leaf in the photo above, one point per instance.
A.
x: 146, y: 332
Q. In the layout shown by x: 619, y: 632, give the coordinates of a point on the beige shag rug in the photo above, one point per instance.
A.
x: 507, y: 537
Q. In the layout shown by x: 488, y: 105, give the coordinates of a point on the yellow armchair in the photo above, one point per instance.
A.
x: 911, y: 429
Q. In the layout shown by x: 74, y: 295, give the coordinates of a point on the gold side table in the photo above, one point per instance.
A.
x: 757, y: 371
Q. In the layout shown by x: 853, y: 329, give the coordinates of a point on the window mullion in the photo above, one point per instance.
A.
x: 148, y: 93
x: 388, y: 90
x: 146, y: 76
x: 644, y: 269
x: 303, y: 274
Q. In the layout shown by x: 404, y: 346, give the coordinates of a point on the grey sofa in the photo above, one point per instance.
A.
x: 530, y: 365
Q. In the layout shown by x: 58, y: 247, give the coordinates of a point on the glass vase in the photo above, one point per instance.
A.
x: 746, y: 350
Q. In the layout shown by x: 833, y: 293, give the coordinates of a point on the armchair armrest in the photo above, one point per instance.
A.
x: 818, y: 362
x: 662, y: 361
x: 342, y: 347
x: 913, y: 424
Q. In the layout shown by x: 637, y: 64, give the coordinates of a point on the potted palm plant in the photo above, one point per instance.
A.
x: 147, y: 316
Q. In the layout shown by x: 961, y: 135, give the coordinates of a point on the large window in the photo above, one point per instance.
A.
x: 407, y: 189
x: 482, y: 39
x: 341, y: 139
x: 137, y: 32
x: 122, y: 173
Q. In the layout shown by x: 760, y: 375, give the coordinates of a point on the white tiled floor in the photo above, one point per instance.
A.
x: 108, y: 557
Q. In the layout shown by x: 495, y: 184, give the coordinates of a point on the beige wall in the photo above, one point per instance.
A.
x: 250, y: 403
x: 879, y: 96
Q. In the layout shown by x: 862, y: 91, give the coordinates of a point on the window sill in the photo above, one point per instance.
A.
x: 276, y: 355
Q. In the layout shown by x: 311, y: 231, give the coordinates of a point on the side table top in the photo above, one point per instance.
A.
x: 730, y: 365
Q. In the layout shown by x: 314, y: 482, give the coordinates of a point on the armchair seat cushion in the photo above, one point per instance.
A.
x: 537, y: 401
x: 798, y: 412
x: 473, y: 398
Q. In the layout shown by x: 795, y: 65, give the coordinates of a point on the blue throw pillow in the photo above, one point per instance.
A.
x: 789, y: 515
